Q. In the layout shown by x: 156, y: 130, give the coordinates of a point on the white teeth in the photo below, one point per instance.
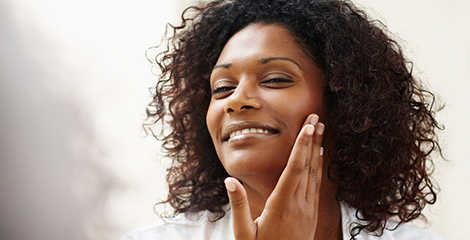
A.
x: 248, y: 130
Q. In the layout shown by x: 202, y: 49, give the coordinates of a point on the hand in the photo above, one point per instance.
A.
x: 291, y: 210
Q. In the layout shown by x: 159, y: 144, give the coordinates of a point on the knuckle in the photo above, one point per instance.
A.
x: 303, y: 141
x: 298, y: 168
x: 313, y: 173
x: 237, y: 203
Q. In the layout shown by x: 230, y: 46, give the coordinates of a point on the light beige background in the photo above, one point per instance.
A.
x: 73, y: 90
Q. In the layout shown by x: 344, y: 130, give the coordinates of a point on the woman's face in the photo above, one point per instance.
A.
x: 264, y: 86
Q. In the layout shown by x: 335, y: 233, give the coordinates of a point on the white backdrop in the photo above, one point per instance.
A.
x: 73, y: 91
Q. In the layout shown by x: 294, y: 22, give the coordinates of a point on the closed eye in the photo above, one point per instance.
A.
x: 277, y: 82
x: 221, y: 89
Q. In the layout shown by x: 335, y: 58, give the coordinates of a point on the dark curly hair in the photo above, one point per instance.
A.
x: 380, y: 119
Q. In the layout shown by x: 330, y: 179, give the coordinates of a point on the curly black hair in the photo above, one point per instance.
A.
x: 380, y: 118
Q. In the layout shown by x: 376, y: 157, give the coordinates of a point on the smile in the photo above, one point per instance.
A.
x: 248, y: 130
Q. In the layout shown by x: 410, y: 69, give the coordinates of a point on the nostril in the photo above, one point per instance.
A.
x: 246, y: 107
x: 236, y: 104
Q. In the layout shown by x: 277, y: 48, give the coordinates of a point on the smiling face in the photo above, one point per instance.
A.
x: 264, y: 86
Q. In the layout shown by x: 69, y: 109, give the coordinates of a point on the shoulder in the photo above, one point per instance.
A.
x: 409, y: 232
x: 402, y: 232
x: 184, y: 226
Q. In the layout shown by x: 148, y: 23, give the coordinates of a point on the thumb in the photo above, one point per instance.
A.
x: 243, y: 225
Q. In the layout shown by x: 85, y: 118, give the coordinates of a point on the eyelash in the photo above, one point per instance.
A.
x: 274, y: 80
x: 221, y: 89
x: 277, y: 80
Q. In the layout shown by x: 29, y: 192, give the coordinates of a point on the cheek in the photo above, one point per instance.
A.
x: 296, y: 110
x: 213, y: 120
x: 210, y: 121
x: 310, y: 102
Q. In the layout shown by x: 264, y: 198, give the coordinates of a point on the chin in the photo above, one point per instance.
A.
x: 239, y: 165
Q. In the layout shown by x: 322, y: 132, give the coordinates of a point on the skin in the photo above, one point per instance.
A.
x: 264, y: 80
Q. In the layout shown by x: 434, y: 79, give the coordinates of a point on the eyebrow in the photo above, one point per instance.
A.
x: 227, y: 65
x: 266, y: 60
x: 262, y: 61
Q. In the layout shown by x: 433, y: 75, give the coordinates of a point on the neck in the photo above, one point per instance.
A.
x: 329, y: 220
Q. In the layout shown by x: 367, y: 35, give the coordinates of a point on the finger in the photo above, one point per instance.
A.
x: 243, y: 226
x: 313, y: 196
x: 296, y: 165
x: 303, y: 185
x: 316, y: 165
x: 316, y: 147
x: 311, y: 119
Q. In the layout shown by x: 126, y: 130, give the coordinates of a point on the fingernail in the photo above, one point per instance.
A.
x: 321, y: 151
x: 309, y: 129
x: 314, y: 119
x: 230, y: 186
x: 320, y: 129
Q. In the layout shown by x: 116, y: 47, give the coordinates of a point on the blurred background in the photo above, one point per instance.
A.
x: 74, y: 160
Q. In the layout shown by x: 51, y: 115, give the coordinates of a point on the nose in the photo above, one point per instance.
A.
x: 244, y: 97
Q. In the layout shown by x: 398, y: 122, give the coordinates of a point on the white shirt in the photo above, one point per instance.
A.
x: 199, y: 227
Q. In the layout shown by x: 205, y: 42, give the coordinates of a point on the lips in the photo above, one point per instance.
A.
x: 241, y: 128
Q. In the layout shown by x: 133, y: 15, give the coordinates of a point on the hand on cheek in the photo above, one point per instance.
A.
x: 291, y: 210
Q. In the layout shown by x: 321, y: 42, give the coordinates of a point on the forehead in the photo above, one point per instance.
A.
x: 259, y: 41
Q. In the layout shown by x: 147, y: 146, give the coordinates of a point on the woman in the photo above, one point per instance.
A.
x: 291, y: 119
